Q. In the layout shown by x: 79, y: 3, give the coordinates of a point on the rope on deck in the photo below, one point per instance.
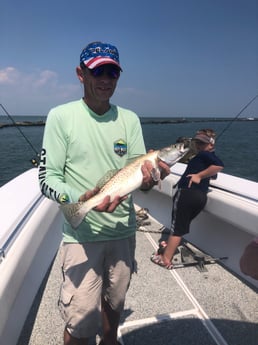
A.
x: 143, y: 223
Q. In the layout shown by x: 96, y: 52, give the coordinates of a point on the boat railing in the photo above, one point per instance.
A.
x: 30, y: 235
x: 19, y: 200
x: 12, y: 233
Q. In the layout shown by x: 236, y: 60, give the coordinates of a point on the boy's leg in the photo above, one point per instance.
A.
x: 172, y: 244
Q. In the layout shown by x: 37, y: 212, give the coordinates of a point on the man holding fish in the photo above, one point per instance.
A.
x: 83, y: 140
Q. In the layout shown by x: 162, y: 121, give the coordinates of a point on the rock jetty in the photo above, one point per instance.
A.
x: 22, y: 123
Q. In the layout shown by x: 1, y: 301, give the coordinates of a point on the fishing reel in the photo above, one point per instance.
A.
x: 35, y: 161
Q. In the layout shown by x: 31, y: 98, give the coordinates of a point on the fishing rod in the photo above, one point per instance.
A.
x: 34, y: 161
x: 234, y: 119
x: 187, y: 141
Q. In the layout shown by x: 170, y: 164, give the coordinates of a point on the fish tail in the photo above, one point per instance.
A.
x: 74, y: 213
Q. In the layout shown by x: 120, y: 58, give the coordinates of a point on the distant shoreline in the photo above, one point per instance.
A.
x: 189, y: 120
x: 22, y: 123
x: 143, y: 120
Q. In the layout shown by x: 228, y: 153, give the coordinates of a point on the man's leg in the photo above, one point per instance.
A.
x: 110, y: 319
x: 80, y: 296
x: 69, y: 340
x: 119, y: 268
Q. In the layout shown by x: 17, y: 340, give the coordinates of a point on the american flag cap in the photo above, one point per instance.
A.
x: 98, y: 53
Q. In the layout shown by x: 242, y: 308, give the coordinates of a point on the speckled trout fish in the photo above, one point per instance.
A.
x: 124, y: 181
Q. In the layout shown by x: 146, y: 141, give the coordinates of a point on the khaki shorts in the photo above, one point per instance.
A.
x: 92, y: 270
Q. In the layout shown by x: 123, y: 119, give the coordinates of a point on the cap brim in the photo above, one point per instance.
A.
x: 98, y: 61
x: 202, y: 139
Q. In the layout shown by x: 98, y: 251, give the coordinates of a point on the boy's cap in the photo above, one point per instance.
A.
x: 98, y: 53
x: 204, y: 138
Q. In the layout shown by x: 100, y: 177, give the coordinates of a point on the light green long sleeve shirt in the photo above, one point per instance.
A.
x: 79, y: 147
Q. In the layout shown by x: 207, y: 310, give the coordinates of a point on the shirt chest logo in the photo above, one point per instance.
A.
x: 120, y: 147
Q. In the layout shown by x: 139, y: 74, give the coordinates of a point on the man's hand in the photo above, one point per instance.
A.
x: 164, y: 169
x: 106, y: 205
x: 147, y: 178
x: 151, y: 176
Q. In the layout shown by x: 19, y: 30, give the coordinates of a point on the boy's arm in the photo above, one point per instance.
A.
x: 210, y: 171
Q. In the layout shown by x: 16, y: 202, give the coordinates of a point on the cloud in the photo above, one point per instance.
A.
x: 8, y: 76
x: 46, y: 77
x: 34, y: 92
x: 37, y: 91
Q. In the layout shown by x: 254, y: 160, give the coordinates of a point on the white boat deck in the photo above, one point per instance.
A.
x: 182, y: 306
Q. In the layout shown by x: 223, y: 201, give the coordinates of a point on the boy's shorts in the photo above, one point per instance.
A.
x: 187, y: 204
x: 91, y: 271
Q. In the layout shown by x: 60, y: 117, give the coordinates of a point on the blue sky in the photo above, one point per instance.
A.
x: 180, y: 57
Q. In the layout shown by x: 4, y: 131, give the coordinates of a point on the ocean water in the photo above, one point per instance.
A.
x: 237, y: 146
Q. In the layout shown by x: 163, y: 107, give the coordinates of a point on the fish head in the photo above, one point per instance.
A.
x: 173, y: 153
x: 188, y: 142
